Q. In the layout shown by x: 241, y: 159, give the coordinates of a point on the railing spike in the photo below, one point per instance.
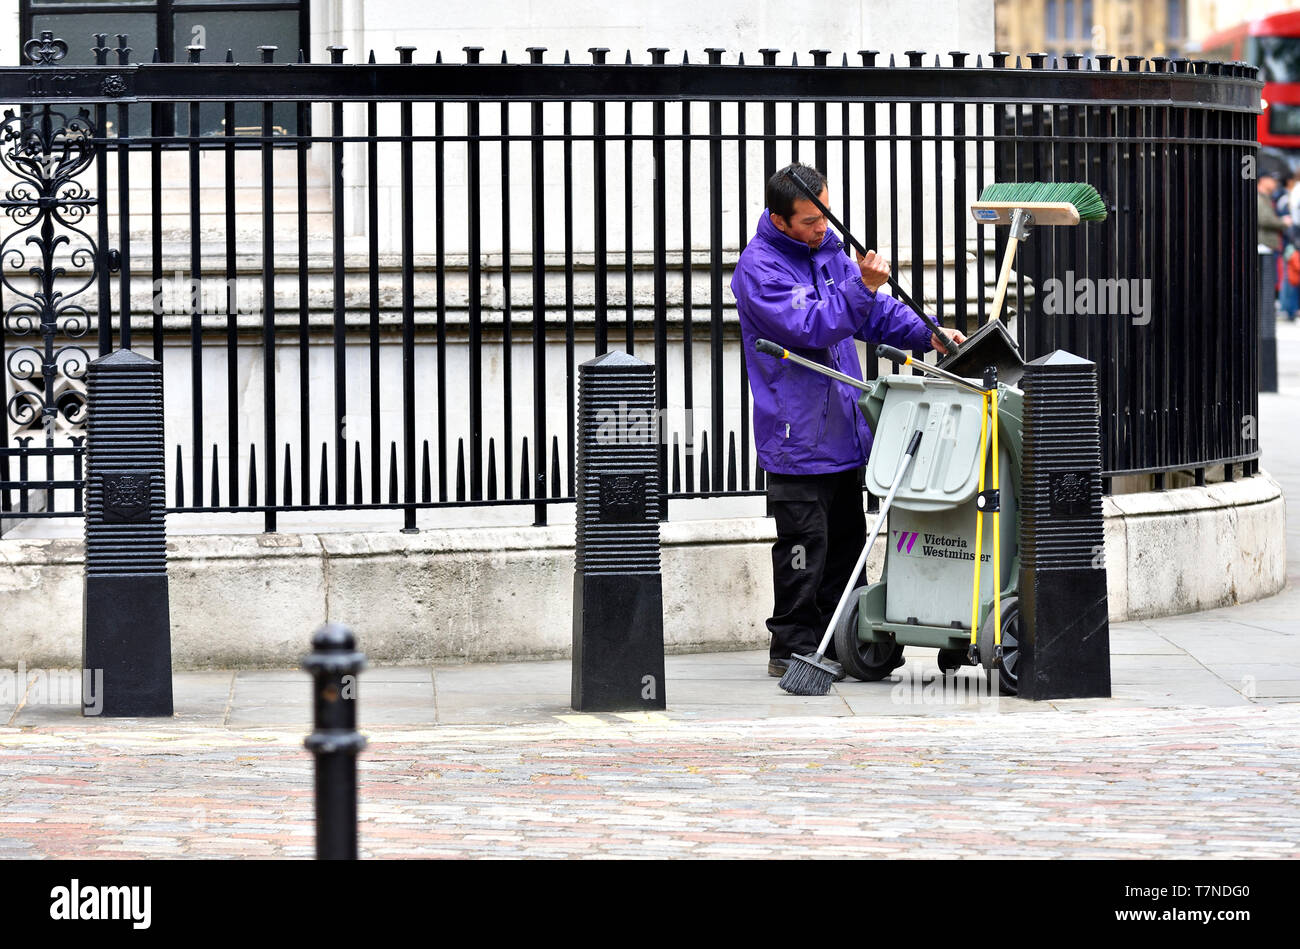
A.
x: 891, y: 60
x: 460, y: 470
x: 677, y: 466
x: 392, y: 472
x: 230, y: 55
x: 566, y: 58
x: 426, y: 480
x: 302, y: 57
x: 156, y: 55
x: 372, y: 58
x: 523, y: 473
x: 324, y: 476
x: 686, y: 58
x: 628, y: 61
x: 731, y: 462
x: 252, y: 475
x: 492, y: 470
x: 555, y: 466
x: 288, y: 478
x: 741, y: 62
x: 180, y: 478
x: 504, y: 61
x: 794, y: 59
x: 437, y: 58
x: 216, y: 474
x: 704, y: 463
x: 844, y: 62
x: 356, y: 472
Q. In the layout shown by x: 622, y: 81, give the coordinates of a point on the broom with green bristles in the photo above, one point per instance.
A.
x: 1021, y: 204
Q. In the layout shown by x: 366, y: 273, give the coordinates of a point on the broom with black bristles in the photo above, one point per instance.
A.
x: 814, y: 675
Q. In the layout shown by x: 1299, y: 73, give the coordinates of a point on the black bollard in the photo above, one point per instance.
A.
x: 126, y: 624
x: 1064, y: 621
x: 618, y: 610
x: 333, y: 664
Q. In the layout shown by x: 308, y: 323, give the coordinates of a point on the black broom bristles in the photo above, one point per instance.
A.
x: 806, y: 675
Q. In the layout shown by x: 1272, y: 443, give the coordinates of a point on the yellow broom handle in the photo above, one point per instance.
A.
x: 997, y: 535
x: 1004, y: 277
x: 979, y: 524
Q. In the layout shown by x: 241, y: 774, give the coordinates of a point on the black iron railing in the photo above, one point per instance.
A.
x: 432, y: 248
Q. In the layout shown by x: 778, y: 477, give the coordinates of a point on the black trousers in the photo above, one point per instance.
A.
x: 820, y: 530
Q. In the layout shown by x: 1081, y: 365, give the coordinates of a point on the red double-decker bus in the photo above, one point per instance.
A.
x: 1273, y: 44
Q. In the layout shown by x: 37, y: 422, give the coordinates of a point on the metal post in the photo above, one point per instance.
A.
x: 618, y: 621
x: 333, y: 664
x: 1064, y: 624
x: 127, y: 626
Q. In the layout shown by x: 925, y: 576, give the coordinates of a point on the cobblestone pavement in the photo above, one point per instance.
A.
x: 1195, y: 756
x: 1169, y: 783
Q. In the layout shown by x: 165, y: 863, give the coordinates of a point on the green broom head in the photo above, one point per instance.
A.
x: 1082, y: 195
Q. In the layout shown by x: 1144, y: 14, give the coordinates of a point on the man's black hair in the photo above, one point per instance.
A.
x: 782, y: 192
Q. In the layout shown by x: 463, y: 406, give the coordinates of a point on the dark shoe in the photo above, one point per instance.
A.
x: 776, y: 668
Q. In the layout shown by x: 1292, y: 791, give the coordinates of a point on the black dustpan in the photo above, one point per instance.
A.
x: 990, y: 345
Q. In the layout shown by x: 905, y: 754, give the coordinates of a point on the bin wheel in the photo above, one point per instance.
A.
x: 867, y: 662
x: 1007, y: 677
x: 950, y: 660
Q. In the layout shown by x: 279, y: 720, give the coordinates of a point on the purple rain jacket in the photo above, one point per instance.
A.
x: 812, y: 302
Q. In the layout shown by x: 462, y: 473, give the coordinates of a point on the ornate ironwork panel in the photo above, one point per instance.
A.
x: 47, y: 261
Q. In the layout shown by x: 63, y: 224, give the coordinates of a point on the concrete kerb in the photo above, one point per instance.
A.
x: 495, y: 593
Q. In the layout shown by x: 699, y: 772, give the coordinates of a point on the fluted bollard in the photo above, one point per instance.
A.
x: 126, y: 624
x: 618, y: 608
x: 1064, y: 624
x: 333, y: 664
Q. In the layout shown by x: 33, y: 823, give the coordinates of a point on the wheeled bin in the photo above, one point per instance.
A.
x: 923, y: 597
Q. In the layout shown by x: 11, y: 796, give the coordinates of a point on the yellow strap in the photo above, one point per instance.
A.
x: 979, y: 524
x: 997, y: 535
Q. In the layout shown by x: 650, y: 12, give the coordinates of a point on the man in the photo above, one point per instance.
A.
x: 795, y: 286
x: 1270, y: 224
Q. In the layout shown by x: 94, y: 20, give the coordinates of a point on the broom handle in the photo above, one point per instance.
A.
x: 1008, y: 258
x: 949, y: 346
x: 871, y: 541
